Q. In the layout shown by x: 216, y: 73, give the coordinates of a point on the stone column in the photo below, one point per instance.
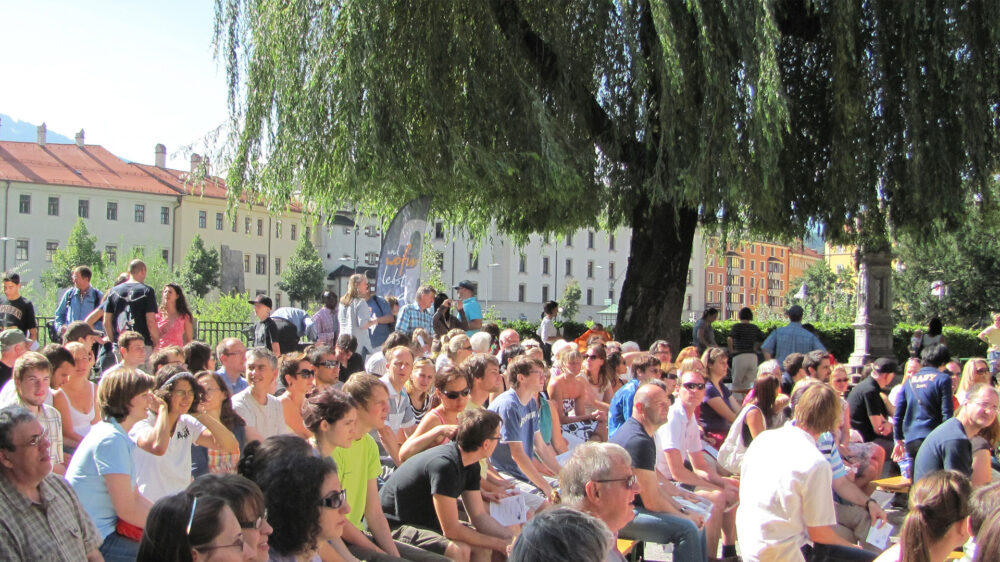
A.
x: 873, y: 325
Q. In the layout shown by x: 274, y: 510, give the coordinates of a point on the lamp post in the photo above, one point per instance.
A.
x: 5, y: 240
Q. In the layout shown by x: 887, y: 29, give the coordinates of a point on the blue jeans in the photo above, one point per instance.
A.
x: 117, y: 548
x: 662, y: 528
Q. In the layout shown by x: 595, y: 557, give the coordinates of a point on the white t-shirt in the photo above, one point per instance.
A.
x: 159, y: 476
x: 267, y: 419
x: 786, y: 486
x: 680, y: 432
x: 400, y: 414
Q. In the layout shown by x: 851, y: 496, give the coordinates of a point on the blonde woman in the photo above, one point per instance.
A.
x: 976, y: 371
x: 354, y: 315
x: 419, y: 386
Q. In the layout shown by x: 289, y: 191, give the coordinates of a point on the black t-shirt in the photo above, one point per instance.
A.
x: 946, y: 448
x: 128, y: 305
x: 639, y: 444
x: 5, y: 373
x: 407, y: 496
x: 787, y: 384
x: 287, y: 335
x: 744, y: 337
x: 866, y: 400
x: 19, y: 313
x: 265, y: 333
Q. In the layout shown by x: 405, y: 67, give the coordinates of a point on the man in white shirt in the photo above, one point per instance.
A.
x: 786, y: 506
x: 680, y: 441
x: 256, y: 405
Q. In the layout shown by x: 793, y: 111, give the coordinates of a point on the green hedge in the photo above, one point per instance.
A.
x: 838, y: 337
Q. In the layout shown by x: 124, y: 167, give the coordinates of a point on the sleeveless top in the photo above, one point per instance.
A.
x: 440, y: 418
x: 171, y: 330
x: 81, y: 420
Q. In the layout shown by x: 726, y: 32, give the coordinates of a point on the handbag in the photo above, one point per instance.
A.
x: 732, y: 450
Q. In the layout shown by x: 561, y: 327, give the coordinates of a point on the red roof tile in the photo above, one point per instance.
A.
x: 212, y: 186
x: 72, y: 165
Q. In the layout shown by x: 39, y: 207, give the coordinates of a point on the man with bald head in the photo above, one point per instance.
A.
x: 658, y: 518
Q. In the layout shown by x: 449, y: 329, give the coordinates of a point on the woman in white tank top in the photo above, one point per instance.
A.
x: 77, y: 388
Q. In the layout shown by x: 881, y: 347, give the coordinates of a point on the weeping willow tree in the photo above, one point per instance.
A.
x: 756, y: 116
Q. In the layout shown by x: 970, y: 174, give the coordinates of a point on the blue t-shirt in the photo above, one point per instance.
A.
x: 520, y: 423
x: 472, y: 312
x: 106, y: 449
x: 946, y: 448
x: 379, y: 307
x: 621, y: 405
x: 924, y: 403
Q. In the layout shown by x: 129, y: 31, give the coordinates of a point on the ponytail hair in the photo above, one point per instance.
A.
x: 937, y: 502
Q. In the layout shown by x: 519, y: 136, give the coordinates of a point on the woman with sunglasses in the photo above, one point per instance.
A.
x: 247, y: 502
x: 568, y: 393
x: 164, y: 439
x: 217, y: 404
x: 452, y: 387
x: 188, y: 528
x: 296, y: 374
x: 599, y: 377
x: 306, y: 506
x: 976, y: 371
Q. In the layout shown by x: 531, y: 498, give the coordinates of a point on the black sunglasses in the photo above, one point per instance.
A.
x: 694, y: 385
x: 331, y: 364
x: 306, y: 373
x: 453, y: 394
x: 334, y: 500
x: 671, y: 376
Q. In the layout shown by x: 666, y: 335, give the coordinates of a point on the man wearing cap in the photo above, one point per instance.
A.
x: 78, y: 302
x: 82, y: 332
x: 792, y: 338
x: 473, y: 312
x: 869, y: 414
x: 265, y: 332
x: 13, y: 344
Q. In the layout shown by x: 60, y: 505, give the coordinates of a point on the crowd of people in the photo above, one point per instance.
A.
x: 418, y: 431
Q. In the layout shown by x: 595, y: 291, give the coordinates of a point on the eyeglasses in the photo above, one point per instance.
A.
x: 694, y: 385
x: 453, y: 394
x: 256, y: 524
x: 331, y: 364
x: 671, y: 376
x: 628, y: 480
x: 37, y: 439
x: 592, y: 357
x: 469, y: 348
x: 334, y: 500
x: 306, y: 373
x: 238, y: 543
x: 983, y: 371
x: 182, y: 393
x: 987, y: 407
x: 497, y: 438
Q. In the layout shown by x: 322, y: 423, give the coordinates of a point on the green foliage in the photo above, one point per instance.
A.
x: 569, y: 304
x: 829, y: 295
x: 201, y: 268
x: 302, y: 279
x: 234, y: 307
x: 966, y: 259
x: 80, y: 249
x: 431, y: 266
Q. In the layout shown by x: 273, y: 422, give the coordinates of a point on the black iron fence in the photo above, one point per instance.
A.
x: 207, y: 331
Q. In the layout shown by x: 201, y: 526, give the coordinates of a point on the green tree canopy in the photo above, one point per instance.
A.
x: 302, y: 279
x: 829, y: 295
x: 201, y: 268
x: 768, y: 116
x: 570, y: 301
x: 80, y: 249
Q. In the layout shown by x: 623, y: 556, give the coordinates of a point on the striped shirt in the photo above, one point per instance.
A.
x: 57, y: 528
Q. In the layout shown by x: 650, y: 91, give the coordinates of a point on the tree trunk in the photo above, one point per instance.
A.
x: 652, y: 298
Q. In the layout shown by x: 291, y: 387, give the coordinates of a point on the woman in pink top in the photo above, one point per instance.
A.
x: 453, y: 387
x: 174, y: 318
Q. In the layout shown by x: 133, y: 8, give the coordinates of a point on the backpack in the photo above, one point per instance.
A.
x: 125, y: 320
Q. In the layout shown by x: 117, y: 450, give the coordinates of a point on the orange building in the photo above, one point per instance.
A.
x: 753, y: 274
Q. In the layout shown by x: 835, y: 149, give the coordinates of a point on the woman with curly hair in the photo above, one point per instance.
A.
x: 174, y: 318
x: 306, y: 505
x: 218, y: 404
x: 185, y: 528
x: 163, y: 461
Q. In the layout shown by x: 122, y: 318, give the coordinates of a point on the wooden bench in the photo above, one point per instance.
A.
x: 894, y: 484
x: 631, y: 550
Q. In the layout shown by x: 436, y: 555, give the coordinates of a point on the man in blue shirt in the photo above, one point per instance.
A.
x: 924, y: 403
x: 473, y: 312
x: 383, y: 313
x: 645, y: 367
x: 792, y: 338
x: 948, y: 447
x: 77, y: 303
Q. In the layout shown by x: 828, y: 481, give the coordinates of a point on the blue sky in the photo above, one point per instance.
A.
x: 130, y: 73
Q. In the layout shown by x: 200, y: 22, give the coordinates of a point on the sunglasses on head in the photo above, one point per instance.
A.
x: 454, y: 394
x: 694, y: 385
x: 334, y: 500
